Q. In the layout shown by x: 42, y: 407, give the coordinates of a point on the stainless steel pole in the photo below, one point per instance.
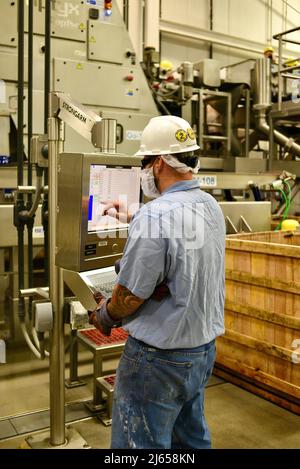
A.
x: 57, y: 349
x: 280, y: 84
x: 247, y: 123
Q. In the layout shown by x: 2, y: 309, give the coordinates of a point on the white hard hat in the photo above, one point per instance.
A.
x: 165, y: 135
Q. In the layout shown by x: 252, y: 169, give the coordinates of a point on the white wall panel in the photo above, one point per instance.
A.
x: 241, y: 18
x: 120, y: 6
x: 191, y: 12
x: 245, y: 19
x: 179, y: 50
x: 230, y: 56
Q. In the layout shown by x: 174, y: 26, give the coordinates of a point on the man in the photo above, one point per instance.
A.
x: 176, y: 248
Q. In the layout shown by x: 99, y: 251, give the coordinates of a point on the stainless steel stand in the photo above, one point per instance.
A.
x: 58, y: 436
x: 73, y: 440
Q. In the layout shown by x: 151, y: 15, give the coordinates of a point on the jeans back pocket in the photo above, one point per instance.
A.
x: 165, y: 379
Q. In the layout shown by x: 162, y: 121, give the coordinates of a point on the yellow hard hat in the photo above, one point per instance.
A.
x: 289, y: 225
x: 166, y: 65
x: 291, y: 62
x: 268, y: 49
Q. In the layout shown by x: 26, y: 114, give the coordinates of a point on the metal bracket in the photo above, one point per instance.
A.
x: 230, y: 228
x: 244, y: 226
x: 39, y: 150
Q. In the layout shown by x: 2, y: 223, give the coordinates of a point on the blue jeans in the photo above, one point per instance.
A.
x: 159, y: 397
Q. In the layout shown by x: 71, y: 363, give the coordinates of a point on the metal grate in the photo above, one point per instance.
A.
x: 118, y: 335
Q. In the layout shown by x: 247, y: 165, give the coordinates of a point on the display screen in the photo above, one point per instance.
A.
x: 107, y: 186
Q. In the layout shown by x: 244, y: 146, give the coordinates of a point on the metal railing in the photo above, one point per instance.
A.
x: 282, y: 69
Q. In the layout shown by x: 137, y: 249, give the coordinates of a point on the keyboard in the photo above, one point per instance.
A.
x: 85, y: 284
x: 106, y: 288
x: 100, y: 285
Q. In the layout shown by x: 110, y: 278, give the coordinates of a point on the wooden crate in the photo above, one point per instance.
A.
x: 262, y: 316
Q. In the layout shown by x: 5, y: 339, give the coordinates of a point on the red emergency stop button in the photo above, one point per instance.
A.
x: 129, y: 78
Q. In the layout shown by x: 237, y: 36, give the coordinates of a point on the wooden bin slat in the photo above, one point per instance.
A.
x: 259, y: 345
x: 262, y: 330
x: 261, y: 376
x: 264, y: 248
x: 243, y: 277
x: 274, y: 318
x: 262, y: 313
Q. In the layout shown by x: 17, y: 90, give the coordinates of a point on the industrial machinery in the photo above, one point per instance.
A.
x: 246, y: 118
x: 100, y: 73
x: 89, y: 239
x: 247, y: 141
x: 234, y: 108
x: 81, y: 237
x: 72, y: 56
x: 69, y: 48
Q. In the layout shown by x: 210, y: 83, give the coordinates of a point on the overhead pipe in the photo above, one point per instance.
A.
x: 263, y: 104
x: 151, y: 24
x: 175, y: 28
x: 288, y: 144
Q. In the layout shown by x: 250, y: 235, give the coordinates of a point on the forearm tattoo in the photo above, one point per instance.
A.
x: 123, y: 303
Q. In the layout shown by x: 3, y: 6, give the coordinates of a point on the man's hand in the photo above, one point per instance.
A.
x: 100, y: 317
x: 123, y: 303
x: 116, y: 209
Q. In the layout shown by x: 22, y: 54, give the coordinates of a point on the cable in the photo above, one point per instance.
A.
x: 287, y: 207
x: 290, y: 191
x: 36, y: 340
x: 167, y: 94
x: 29, y: 341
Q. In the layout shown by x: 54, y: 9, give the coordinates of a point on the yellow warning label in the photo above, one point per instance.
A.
x: 181, y: 135
x: 79, y: 66
x: 92, y: 39
x: 82, y: 26
x: 191, y: 133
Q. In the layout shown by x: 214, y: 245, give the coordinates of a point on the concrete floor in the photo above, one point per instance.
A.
x: 237, y: 418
